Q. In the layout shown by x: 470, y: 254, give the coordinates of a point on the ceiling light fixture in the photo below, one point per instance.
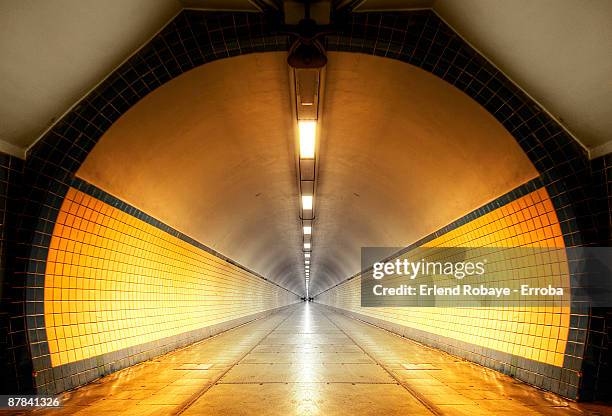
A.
x: 307, y: 201
x: 307, y: 84
x: 308, y: 131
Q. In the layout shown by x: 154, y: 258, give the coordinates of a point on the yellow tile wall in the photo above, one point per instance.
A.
x: 114, y: 281
x: 536, y: 333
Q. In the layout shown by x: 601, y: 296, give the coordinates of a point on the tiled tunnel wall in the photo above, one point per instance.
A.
x: 11, y: 323
x: 597, y: 367
x: 418, y: 38
x: 121, y: 288
x: 530, y: 343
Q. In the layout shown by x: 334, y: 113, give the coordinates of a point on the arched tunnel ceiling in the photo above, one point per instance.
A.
x: 211, y: 153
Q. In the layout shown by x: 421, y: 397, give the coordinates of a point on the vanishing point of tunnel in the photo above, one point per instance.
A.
x: 318, y: 207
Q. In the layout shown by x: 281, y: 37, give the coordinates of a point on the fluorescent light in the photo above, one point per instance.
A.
x: 308, y: 131
x: 307, y: 246
x: 307, y: 255
x: 307, y: 201
x: 307, y: 230
x: 307, y: 262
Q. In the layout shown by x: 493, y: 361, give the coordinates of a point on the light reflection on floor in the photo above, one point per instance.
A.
x: 308, y: 360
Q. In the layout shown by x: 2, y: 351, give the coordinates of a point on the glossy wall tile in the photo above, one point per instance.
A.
x: 116, y: 283
x: 537, y: 334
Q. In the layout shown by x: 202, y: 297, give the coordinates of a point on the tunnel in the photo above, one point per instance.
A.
x: 261, y: 207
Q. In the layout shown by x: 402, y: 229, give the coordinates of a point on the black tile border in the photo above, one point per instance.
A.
x: 95, y: 192
x: 597, y: 366
x: 11, y: 332
x: 194, y: 38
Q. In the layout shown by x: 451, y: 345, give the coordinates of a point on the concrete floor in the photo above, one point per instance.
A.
x: 308, y: 360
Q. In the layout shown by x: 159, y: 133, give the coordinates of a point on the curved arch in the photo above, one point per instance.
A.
x: 423, y: 40
x: 194, y: 38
